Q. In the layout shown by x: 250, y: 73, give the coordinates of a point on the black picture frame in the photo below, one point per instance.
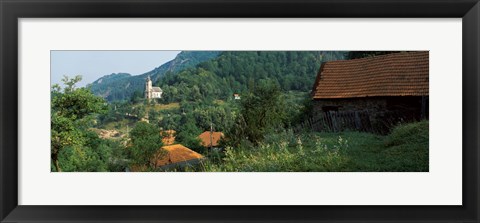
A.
x: 12, y: 10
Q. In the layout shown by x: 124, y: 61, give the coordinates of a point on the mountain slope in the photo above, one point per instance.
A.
x: 235, y: 71
x: 121, y: 86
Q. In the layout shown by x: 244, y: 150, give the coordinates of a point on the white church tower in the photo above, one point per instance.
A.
x: 152, y: 92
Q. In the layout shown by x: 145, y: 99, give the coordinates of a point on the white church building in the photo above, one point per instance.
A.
x: 152, y: 92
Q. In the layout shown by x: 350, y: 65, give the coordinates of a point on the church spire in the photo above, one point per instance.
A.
x: 148, y: 88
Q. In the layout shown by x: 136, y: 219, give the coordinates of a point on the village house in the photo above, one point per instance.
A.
x: 367, y: 92
x: 173, y: 156
x: 178, y: 156
x: 210, y: 139
x: 168, y: 137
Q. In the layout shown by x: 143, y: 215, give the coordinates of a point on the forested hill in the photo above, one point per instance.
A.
x: 121, y: 86
x: 233, y: 71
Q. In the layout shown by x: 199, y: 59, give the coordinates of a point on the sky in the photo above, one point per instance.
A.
x: 95, y: 64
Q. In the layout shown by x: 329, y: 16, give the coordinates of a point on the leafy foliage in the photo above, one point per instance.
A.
x: 262, y: 109
x: 362, y: 54
x: 71, y: 111
x: 95, y: 155
x: 145, y: 145
x: 188, y: 132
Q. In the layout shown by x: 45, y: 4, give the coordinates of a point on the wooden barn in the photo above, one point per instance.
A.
x: 371, y: 93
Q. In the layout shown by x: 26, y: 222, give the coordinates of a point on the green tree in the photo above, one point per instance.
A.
x: 261, y: 109
x: 94, y: 155
x: 64, y: 134
x: 362, y: 54
x: 71, y: 114
x: 188, y: 132
x: 145, y: 145
x: 136, y: 97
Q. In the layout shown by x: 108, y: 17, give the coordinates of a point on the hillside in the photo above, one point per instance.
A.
x: 121, y: 86
x: 107, y: 79
x: 236, y: 71
x: 259, y: 101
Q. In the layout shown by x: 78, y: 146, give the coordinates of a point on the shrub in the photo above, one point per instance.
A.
x: 407, y: 147
x: 410, y: 133
x: 262, y: 109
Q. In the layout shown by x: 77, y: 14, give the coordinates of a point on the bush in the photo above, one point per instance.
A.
x: 410, y: 133
x: 408, y: 147
x: 262, y: 109
x: 81, y: 159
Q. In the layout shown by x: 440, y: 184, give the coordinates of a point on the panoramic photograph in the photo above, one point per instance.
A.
x: 239, y: 111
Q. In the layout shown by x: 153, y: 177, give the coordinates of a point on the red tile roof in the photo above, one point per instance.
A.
x: 177, y: 153
x: 205, y: 138
x: 396, y: 74
x: 168, y: 137
x: 169, y: 155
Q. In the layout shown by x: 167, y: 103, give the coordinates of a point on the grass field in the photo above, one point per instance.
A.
x: 160, y: 107
x: 404, y: 150
x: 120, y: 126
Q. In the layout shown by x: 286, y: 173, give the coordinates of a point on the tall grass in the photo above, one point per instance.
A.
x: 284, y: 152
x: 405, y: 149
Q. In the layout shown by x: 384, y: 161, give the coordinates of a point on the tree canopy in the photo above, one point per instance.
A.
x: 145, y: 145
x: 71, y: 108
x: 362, y: 54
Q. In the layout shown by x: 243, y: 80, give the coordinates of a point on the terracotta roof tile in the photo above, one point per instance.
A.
x: 205, y: 138
x: 177, y: 153
x: 168, y: 137
x: 169, y: 155
x: 396, y: 74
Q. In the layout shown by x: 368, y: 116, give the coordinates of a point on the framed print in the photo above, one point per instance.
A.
x: 239, y: 111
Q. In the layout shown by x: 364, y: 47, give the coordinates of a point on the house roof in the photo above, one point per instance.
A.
x: 177, y: 153
x: 168, y: 137
x: 396, y: 74
x: 174, y: 154
x: 205, y: 138
x: 156, y: 89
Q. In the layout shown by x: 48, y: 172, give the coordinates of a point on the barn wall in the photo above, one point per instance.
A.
x: 380, y: 110
x: 372, y: 105
x: 351, y: 104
